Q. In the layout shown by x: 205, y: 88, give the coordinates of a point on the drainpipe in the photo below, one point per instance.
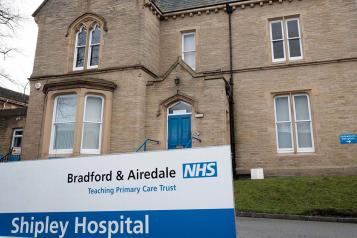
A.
x: 231, y: 95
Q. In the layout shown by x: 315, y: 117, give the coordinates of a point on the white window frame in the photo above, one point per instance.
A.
x: 303, y: 150
x: 292, y: 38
x: 189, y: 51
x: 91, y: 45
x: 284, y: 150
x: 53, y: 151
x: 178, y: 114
x: 16, y: 136
x: 75, y: 68
x: 92, y: 151
x: 278, y: 60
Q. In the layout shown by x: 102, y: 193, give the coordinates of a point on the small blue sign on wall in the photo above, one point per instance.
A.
x: 346, y: 139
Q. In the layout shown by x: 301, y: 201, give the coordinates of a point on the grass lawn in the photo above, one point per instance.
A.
x: 320, y: 196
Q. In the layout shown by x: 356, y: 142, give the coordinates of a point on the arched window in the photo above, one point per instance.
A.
x: 86, y: 37
x: 81, y: 43
x: 94, y: 47
x: 180, y: 108
x: 87, y: 47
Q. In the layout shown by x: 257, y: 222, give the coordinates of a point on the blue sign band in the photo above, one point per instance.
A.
x: 348, y: 139
x: 208, y: 223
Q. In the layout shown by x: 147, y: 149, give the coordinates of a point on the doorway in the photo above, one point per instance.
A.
x: 179, y: 128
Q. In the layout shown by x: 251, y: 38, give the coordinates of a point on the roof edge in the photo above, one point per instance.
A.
x: 200, y: 6
x: 13, y: 96
x: 160, y: 11
x: 34, y: 14
x: 15, y: 112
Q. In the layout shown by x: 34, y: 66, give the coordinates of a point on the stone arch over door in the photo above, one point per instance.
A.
x: 163, y: 113
x: 165, y: 104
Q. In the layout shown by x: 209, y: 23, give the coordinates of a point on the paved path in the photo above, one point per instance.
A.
x: 273, y: 228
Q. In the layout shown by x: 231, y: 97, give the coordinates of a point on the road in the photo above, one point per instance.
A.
x: 274, y: 228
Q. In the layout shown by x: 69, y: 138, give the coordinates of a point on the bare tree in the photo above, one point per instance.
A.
x: 9, y: 20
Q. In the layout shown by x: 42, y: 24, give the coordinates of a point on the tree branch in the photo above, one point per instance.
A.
x: 4, y: 76
x: 9, y: 21
x: 7, y: 17
x: 5, y: 52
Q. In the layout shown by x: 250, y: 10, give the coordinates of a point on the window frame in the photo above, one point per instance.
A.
x: 183, y: 35
x: 90, y: 45
x: 298, y: 149
x: 278, y: 60
x: 16, y: 136
x: 294, y: 131
x: 53, y: 151
x: 92, y: 151
x: 292, y: 38
x: 75, y: 68
x: 286, y: 150
x: 284, y: 25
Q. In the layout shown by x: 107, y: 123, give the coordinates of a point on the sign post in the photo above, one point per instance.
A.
x: 168, y: 194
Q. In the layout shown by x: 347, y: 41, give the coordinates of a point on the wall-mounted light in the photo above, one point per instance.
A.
x: 177, y: 81
x: 38, y: 86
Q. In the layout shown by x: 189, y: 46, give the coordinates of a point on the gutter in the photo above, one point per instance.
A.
x: 199, y: 7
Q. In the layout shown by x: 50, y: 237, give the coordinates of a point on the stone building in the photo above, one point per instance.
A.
x: 274, y: 78
x: 13, y: 107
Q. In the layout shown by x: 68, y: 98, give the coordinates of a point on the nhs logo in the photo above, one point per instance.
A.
x: 199, y: 170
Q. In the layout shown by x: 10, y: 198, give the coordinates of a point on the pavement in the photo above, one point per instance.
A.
x: 276, y: 228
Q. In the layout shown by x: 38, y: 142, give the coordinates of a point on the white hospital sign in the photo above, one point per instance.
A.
x: 169, y: 194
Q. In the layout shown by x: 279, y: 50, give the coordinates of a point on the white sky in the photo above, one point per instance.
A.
x: 18, y: 65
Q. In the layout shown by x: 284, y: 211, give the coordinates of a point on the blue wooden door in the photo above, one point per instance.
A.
x: 179, y: 132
